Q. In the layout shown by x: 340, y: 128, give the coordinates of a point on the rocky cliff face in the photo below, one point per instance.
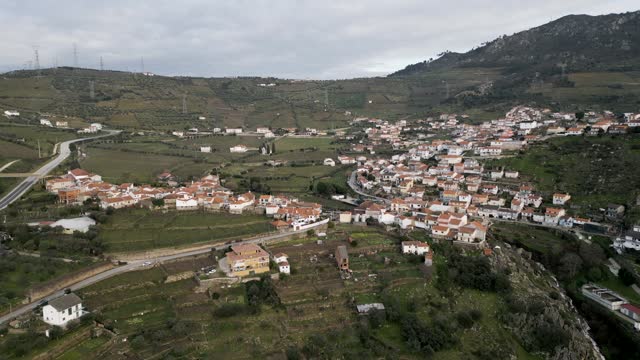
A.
x: 539, y: 314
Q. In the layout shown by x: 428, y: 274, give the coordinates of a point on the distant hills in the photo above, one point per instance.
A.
x: 578, y: 42
x: 575, y: 63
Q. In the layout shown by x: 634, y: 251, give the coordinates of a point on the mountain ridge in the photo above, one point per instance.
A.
x: 582, y: 42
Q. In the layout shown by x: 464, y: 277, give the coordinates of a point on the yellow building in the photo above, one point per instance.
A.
x: 247, y: 259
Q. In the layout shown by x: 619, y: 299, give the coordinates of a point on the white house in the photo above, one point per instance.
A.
x: 186, y: 204
x: 528, y: 125
x: 345, y: 217
x: 238, y: 148
x: 46, y: 122
x: 415, y: 247
x: 329, y: 162
x: 280, y: 257
x: 233, y: 130
x: 61, y: 310
x: 205, y: 149
x: 62, y: 124
x: 11, y: 113
x: 284, y: 267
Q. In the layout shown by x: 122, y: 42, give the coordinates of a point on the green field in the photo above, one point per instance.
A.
x: 133, y: 230
x: 22, y: 272
x: 30, y: 136
x: 120, y: 166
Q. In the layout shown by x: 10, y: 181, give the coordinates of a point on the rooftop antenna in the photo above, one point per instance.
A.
x: 184, y: 103
x: 75, y: 55
x: 101, y: 64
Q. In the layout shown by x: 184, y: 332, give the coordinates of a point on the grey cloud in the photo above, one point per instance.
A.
x: 284, y: 38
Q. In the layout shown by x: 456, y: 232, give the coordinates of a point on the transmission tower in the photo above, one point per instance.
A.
x: 75, y: 55
x: 36, y: 60
x: 142, y: 65
x: 184, y: 103
x: 101, y: 64
x: 92, y: 92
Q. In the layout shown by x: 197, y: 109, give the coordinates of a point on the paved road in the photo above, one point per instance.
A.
x: 138, y: 265
x: 354, y: 186
x: 27, y: 183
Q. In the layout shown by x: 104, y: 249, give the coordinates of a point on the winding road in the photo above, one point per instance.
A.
x: 27, y: 183
x: 354, y: 186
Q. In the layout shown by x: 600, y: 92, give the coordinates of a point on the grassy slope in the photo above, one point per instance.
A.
x: 131, y: 230
x: 21, y: 272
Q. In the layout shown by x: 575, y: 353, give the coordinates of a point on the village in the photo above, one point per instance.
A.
x: 442, y: 187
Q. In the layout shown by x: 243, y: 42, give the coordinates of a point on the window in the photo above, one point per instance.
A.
x: 69, y: 311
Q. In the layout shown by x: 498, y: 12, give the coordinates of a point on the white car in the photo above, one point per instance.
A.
x: 147, y: 263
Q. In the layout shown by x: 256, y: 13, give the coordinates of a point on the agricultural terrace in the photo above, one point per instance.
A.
x: 140, y: 229
x: 310, y: 312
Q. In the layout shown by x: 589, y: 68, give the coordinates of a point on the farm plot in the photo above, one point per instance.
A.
x: 132, y: 230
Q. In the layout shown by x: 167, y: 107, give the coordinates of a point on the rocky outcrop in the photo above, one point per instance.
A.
x: 538, y: 312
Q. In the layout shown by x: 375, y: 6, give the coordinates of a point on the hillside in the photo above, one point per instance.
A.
x: 575, y: 62
x: 600, y: 56
x: 582, y: 42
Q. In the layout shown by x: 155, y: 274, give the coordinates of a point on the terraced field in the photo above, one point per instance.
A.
x: 135, y: 229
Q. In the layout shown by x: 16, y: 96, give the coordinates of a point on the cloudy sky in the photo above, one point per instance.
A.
x: 286, y: 38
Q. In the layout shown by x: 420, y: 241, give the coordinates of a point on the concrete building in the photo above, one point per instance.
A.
x: 604, y: 296
x: 247, y: 259
x: 61, y: 310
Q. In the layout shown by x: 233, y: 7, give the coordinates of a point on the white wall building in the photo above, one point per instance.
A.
x: 61, y: 310
x: 415, y: 247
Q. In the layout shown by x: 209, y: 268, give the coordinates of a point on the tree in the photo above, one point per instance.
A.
x: 591, y: 254
x: 626, y: 277
x: 580, y: 115
x: 158, y: 202
x: 570, y: 265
